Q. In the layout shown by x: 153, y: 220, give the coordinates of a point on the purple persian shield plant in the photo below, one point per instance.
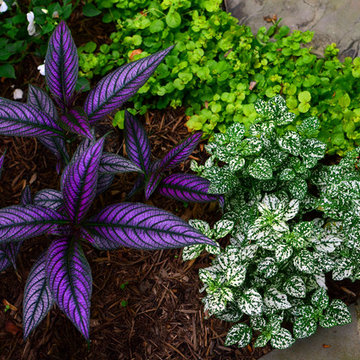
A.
x: 39, y: 117
x: 182, y: 187
x: 62, y: 274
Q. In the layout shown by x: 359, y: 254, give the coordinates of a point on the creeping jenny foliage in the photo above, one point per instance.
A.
x: 62, y: 274
x: 218, y: 69
x: 273, y: 271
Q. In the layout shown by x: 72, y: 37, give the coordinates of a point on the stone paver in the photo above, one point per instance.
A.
x: 337, y: 343
x: 335, y: 21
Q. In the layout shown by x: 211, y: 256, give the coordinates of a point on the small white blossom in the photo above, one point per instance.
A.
x: 31, y: 27
x: 45, y: 11
x: 18, y: 94
x: 3, y: 6
x: 41, y: 68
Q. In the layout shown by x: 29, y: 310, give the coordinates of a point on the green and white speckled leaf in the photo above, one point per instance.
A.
x: 239, y: 334
x: 287, y: 174
x: 236, y: 163
x: 305, y: 262
x: 262, y: 340
x: 328, y: 243
x: 309, y: 127
x: 336, y: 314
x: 312, y: 151
x: 251, y: 146
x: 295, y: 287
x: 290, y: 142
x: 275, y: 109
x: 282, y: 339
x: 207, y: 276
x: 201, y: 225
x: 283, y: 252
x: 291, y: 210
x: 222, y: 228
x: 343, y: 269
x: 267, y: 267
x: 320, y: 299
x: 235, y: 275
x: 274, y: 299
x: 298, y: 188
x: 261, y: 169
x: 270, y: 202
x: 247, y: 252
x: 250, y: 302
x: 304, y: 326
x: 235, y: 132
x: 192, y: 252
x: 214, y: 303
x: 258, y: 323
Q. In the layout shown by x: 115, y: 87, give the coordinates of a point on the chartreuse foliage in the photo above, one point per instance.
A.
x: 273, y: 271
x: 218, y: 69
x: 25, y: 23
x: 62, y: 274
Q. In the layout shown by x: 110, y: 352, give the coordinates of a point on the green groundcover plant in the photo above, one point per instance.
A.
x: 292, y: 220
x: 23, y: 23
x: 218, y: 69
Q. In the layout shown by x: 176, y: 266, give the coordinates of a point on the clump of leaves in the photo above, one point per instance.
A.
x: 273, y: 271
x: 18, y: 33
x: 62, y: 274
x: 183, y: 187
x: 218, y: 68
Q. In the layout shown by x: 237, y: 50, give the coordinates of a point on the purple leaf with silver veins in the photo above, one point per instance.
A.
x: 136, y: 142
x: 40, y: 99
x: 139, y: 183
x: 70, y: 282
x: 152, y: 183
x: 62, y: 65
x: 79, y: 185
x: 117, y: 87
x: 49, y: 198
x: 139, y: 226
x: 104, y: 182
x: 187, y: 187
x: 113, y: 164
x: 76, y: 121
x: 19, y: 223
x: 180, y: 152
x: 18, y: 119
x: 37, y: 296
x: 4, y: 259
x: 2, y: 159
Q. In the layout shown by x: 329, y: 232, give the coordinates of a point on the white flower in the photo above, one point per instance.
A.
x: 18, y: 94
x: 45, y: 11
x: 31, y: 27
x: 3, y: 6
x: 41, y: 68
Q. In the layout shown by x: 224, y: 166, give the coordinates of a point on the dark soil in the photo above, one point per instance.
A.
x: 145, y: 305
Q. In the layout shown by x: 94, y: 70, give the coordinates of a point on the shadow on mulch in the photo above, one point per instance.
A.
x: 145, y: 305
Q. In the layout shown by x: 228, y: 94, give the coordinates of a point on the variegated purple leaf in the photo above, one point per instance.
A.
x: 70, y: 282
x: 40, y: 99
x: 76, y: 121
x: 137, y: 142
x: 61, y: 65
x: 19, y: 223
x: 79, y: 188
x: 26, y: 198
x: 118, y: 86
x: 2, y: 159
x: 37, y: 296
x: 11, y: 250
x: 187, y: 187
x: 152, y: 183
x: 180, y: 152
x: 49, y: 198
x: 4, y: 260
x: 139, y: 226
x: 104, y: 182
x: 17, y: 119
x: 113, y: 163
x: 139, y: 183
x: 57, y: 146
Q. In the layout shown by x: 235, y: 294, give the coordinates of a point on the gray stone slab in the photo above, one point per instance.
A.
x: 333, y: 21
x: 337, y: 343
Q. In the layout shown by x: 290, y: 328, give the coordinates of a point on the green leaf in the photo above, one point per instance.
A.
x: 156, y: 26
x: 274, y: 299
x: 90, y: 10
x: 320, y: 299
x: 296, y: 287
x: 282, y: 339
x: 283, y: 252
x: 7, y: 71
x: 192, y: 252
x: 239, y: 334
x: 261, y: 169
x: 250, y: 302
x: 305, y: 262
x: 173, y: 19
x: 304, y: 96
x: 222, y: 228
x: 304, y: 326
x: 290, y: 142
x: 267, y: 267
x: 336, y: 314
x: 309, y: 127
